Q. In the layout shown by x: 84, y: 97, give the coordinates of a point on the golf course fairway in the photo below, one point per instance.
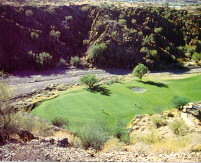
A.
x: 117, y: 102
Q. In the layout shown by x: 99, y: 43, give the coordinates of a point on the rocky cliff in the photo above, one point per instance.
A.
x: 35, y: 37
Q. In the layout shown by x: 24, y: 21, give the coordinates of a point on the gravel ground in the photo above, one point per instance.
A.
x: 28, y: 81
x: 43, y: 151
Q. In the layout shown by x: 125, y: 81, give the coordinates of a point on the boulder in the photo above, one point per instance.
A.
x: 64, y: 143
x: 26, y: 135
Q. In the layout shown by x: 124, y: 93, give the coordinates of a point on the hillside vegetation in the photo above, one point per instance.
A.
x: 104, y: 36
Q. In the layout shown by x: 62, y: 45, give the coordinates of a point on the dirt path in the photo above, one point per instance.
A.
x: 28, y: 81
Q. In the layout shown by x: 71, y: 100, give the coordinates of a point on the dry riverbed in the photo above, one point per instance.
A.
x: 27, y: 81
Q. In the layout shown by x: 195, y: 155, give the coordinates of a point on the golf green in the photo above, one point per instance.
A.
x: 119, y: 101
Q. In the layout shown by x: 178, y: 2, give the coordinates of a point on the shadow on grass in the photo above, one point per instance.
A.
x: 100, y: 89
x: 154, y: 83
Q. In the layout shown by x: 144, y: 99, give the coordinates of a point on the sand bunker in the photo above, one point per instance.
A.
x: 138, y: 89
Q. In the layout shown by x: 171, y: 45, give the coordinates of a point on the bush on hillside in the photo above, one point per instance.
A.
x: 34, y: 35
x: 196, y: 57
x: 95, y: 51
x: 60, y: 122
x: 158, y: 121
x: 41, y: 60
x: 93, y: 136
x: 29, y: 13
x: 7, y: 126
x: 90, y: 80
x: 75, y: 61
x: 122, y: 21
x: 158, y: 30
x: 120, y: 131
x: 68, y: 18
x: 55, y: 34
x: 140, y: 70
x: 179, y: 127
x: 85, y: 8
x: 133, y: 21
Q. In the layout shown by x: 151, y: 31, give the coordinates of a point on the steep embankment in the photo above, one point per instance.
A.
x: 39, y: 37
x: 28, y: 31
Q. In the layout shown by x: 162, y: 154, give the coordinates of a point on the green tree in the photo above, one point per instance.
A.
x: 95, y: 51
x: 90, y: 80
x: 179, y: 101
x: 140, y: 70
x: 41, y: 60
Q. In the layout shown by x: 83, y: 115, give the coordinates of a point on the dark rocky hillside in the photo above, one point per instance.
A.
x: 41, y: 37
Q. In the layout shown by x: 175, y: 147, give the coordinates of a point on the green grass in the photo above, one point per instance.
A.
x: 81, y: 107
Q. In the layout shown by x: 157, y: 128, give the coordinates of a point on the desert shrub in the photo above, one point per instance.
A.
x: 114, y: 79
x: 75, y: 61
x: 169, y: 145
x: 85, y: 8
x: 29, y: 13
x: 179, y: 127
x: 122, y: 21
x: 21, y: 9
x: 196, y: 56
x: 133, y: 21
x: 86, y: 42
x: 153, y: 53
x: 5, y: 111
x: 121, y: 16
x: 35, y: 125
x: 106, y: 16
x: 179, y: 101
x: 158, y: 30
x: 190, y: 50
x: 42, y: 60
x: 151, y: 138
x: 144, y: 50
x: 114, y: 33
x: 60, y: 122
x: 132, y: 31
x: 140, y: 70
x: 55, y: 34
x: 158, y: 121
x: 149, y: 53
x: 95, y: 51
x: 120, y: 131
x: 148, y: 40
x: 34, y: 35
x: 68, y: 18
x: 94, y: 136
x: 113, y: 144
x: 90, y: 80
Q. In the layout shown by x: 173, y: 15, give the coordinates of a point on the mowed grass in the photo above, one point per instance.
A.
x: 81, y: 106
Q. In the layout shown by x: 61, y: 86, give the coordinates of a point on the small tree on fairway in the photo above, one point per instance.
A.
x: 140, y: 70
x: 89, y: 79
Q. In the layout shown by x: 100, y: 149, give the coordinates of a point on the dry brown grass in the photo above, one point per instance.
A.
x: 65, y: 134
x: 113, y: 144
